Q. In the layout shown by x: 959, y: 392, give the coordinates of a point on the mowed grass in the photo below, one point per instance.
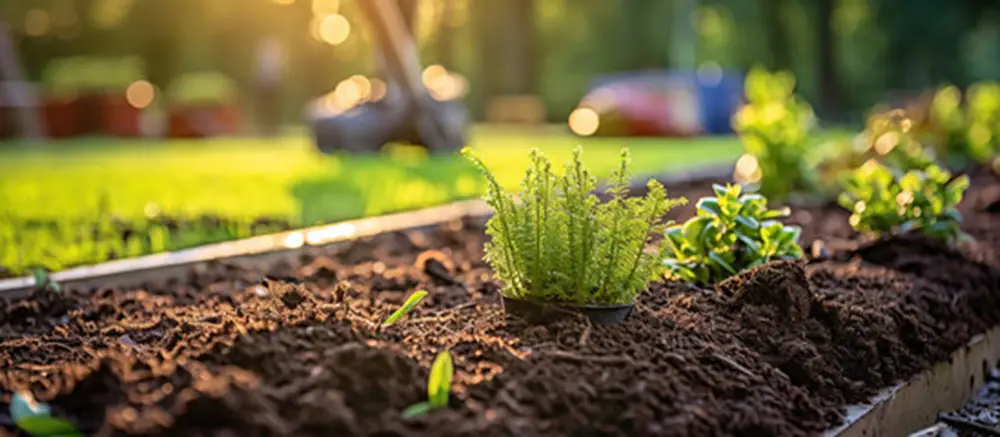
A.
x: 57, y: 199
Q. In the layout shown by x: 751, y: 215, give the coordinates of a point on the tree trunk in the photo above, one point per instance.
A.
x: 684, y: 47
x: 777, y: 35
x: 829, y: 83
x: 18, y: 93
x: 519, y: 53
x: 636, y: 36
x: 445, y: 38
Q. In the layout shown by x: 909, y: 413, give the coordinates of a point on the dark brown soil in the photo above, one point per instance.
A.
x: 777, y: 351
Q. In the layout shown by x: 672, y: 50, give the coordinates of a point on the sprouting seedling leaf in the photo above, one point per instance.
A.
x: 42, y: 279
x: 410, y: 303
x: 417, y: 409
x: 439, y: 383
x: 438, y: 387
x: 42, y: 426
x: 35, y: 418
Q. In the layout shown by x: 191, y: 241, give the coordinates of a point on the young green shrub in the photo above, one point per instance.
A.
x: 890, y: 140
x: 983, y: 109
x: 557, y: 242
x: 732, y: 232
x: 947, y: 125
x: 882, y: 200
x: 438, y: 387
x: 774, y: 127
x: 964, y: 133
x: 888, y: 137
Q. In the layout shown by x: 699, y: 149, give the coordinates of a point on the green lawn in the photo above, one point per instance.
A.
x: 64, y: 204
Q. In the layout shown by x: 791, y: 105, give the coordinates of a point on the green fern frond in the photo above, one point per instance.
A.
x: 560, y: 243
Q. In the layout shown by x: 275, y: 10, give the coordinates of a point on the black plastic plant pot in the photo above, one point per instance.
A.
x: 540, y: 312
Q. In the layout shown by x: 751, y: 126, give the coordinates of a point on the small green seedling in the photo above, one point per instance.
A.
x: 43, y: 280
x: 731, y: 233
x: 883, y: 201
x: 410, y: 303
x: 438, y: 387
x: 557, y: 242
x: 35, y: 418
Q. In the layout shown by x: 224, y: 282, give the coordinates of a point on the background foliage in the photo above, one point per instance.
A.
x: 847, y: 54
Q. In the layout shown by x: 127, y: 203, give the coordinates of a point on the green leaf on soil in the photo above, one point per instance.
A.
x: 417, y: 409
x: 43, y: 280
x: 410, y: 303
x: 439, y: 383
x: 42, y: 426
x: 438, y: 387
x: 36, y: 419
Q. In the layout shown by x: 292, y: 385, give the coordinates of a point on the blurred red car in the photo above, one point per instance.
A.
x: 665, y: 104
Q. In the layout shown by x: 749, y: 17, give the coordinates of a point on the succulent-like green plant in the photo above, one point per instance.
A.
x: 438, y: 387
x: 732, y: 232
x: 774, y: 127
x: 882, y: 200
x: 558, y: 243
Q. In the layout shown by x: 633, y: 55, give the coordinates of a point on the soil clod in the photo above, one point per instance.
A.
x: 780, y: 284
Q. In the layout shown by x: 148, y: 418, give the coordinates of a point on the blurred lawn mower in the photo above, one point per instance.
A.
x: 660, y: 104
x: 424, y: 108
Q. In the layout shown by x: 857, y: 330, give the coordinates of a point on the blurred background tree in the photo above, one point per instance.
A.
x: 847, y: 54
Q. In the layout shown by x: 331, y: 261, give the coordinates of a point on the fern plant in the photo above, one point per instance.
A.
x: 557, y: 242
x: 882, y: 200
x: 732, y: 232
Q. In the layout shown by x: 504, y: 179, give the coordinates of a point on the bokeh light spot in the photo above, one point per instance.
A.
x: 377, y: 89
x: 584, y: 121
x: 140, y: 94
x: 432, y: 74
x: 747, y: 170
x: 710, y: 73
x: 363, y: 85
x: 334, y: 29
x: 347, y: 94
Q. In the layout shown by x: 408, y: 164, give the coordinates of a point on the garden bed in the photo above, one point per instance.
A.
x: 781, y: 351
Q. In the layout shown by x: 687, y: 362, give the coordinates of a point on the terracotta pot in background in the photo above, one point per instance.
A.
x: 204, y: 121
x: 6, y: 126
x: 118, y: 117
x: 64, y: 116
